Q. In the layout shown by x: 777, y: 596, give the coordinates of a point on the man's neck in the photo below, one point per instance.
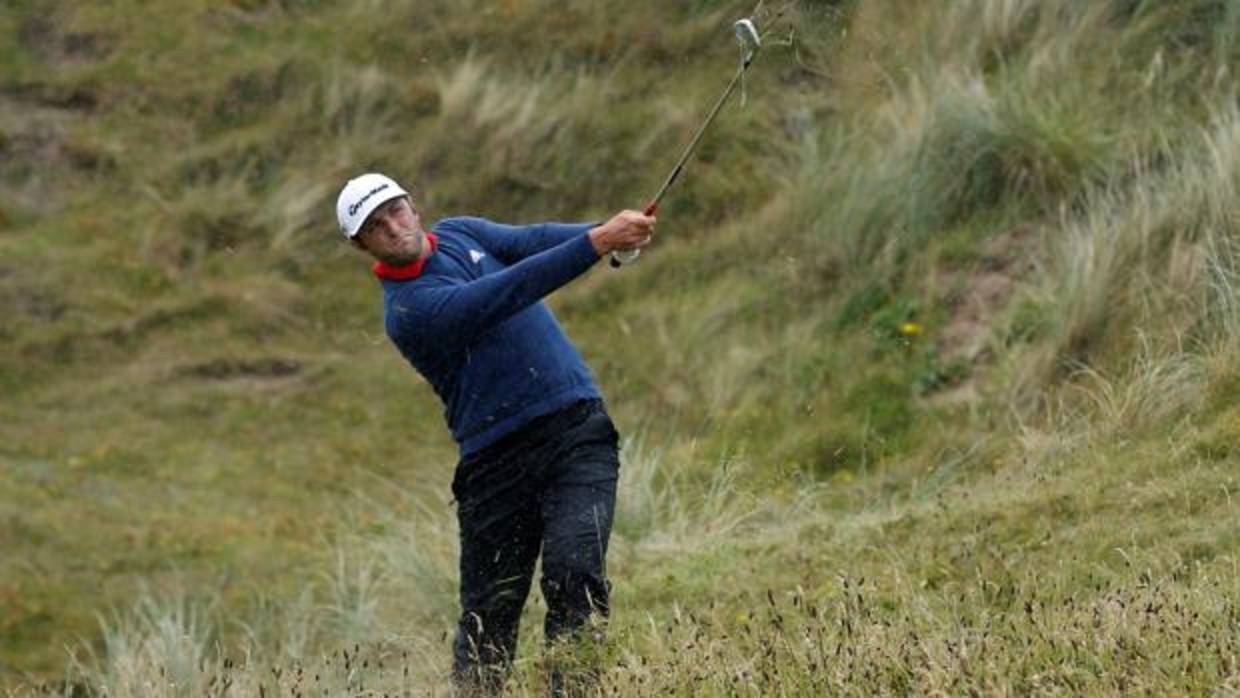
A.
x: 394, y: 270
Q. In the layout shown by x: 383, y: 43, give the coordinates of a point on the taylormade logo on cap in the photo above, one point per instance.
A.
x: 360, y: 197
x: 357, y: 206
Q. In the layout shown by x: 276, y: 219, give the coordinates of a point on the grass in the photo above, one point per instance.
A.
x: 929, y: 383
x: 970, y: 583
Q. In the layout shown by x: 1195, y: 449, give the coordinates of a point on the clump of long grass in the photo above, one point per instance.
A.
x: 161, y: 647
x: 664, y: 503
x: 1004, y: 119
x: 1155, y: 252
x: 409, y: 552
x: 527, y: 136
x: 1151, y: 390
x: 376, y: 616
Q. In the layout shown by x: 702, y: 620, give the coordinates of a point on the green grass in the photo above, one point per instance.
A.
x: 929, y: 383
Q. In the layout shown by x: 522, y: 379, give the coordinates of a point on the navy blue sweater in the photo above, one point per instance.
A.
x: 473, y: 324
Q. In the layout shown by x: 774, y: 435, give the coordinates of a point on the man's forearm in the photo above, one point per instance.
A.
x: 513, y: 243
x: 463, y: 311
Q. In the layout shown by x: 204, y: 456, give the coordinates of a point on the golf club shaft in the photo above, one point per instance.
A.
x: 619, y: 259
x: 653, y: 206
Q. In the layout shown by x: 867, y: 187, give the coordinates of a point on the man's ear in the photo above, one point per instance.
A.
x: 358, y: 244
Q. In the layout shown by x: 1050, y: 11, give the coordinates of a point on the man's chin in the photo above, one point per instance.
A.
x: 400, y: 260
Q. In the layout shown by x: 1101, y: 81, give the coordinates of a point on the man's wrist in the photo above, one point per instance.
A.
x: 596, y: 241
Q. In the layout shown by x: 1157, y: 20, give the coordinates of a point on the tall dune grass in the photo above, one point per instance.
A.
x: 1148, y: 252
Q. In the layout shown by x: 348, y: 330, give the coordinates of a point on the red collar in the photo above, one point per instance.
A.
x: 408, y: 271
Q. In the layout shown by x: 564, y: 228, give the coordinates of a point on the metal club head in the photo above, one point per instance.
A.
x: 747, y: 34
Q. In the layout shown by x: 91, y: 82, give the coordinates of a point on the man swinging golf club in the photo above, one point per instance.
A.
x: 538, y: 468
x: 463, y: 304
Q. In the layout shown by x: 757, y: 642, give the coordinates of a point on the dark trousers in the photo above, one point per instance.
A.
x: 551, y: 485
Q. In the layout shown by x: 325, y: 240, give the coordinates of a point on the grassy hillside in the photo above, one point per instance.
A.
x: 930, y: 384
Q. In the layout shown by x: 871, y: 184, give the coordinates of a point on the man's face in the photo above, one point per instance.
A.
x: 393, y: 233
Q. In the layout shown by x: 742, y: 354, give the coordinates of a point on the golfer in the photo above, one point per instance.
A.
x: 463, y: 304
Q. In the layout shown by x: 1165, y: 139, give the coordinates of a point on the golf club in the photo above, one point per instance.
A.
x: 747, y: 35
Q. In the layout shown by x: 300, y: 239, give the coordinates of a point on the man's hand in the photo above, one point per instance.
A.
x: 626, y: 230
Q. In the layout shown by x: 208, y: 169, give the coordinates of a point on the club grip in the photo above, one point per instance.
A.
x: 619, y: 259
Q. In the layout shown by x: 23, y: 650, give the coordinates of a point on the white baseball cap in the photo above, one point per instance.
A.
x: 360, y: 197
